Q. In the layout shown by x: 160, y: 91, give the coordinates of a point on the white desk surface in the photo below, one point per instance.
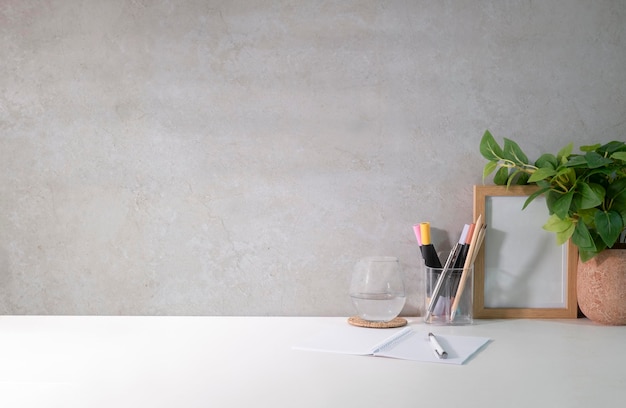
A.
x: 186, y: 362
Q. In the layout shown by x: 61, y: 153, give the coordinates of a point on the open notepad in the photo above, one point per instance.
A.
x: 405, y: 343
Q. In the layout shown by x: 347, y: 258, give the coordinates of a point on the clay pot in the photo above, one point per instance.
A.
x: 601, y: 287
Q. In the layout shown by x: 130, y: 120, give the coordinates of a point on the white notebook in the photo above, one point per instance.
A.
x: 403, y: 343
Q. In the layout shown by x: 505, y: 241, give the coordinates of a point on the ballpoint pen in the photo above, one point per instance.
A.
x: 439, y: 351
x: 464, y: 241
x: 440, y: 281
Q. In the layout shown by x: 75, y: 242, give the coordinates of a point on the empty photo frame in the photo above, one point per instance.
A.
x: 520, y: 271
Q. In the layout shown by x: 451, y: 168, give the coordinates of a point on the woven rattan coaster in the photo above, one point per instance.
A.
x: 397, y: 322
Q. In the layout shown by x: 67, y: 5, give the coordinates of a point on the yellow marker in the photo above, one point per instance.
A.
x: 425, y: 233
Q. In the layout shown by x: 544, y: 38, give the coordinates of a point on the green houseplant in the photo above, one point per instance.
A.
x: 585, y: 192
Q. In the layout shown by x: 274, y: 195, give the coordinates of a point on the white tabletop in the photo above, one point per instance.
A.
x: 57, y: 361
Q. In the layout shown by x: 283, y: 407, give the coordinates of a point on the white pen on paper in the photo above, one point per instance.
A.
x: 439, y: 351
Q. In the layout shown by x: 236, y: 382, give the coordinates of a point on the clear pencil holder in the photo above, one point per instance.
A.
x: 455, y: 302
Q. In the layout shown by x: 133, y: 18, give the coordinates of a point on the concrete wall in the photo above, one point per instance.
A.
x: 238, y: 157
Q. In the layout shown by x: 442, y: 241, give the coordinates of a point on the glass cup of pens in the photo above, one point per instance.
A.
x: 449, y: 290
x: 449, y: 295
x: 376, y: 289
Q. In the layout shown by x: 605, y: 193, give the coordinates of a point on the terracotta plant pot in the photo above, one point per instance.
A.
x: 601, y: 287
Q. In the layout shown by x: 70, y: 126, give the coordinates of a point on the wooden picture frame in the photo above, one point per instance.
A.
x: 520, y: 271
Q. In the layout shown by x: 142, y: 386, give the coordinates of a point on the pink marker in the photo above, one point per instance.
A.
x: 418, y: 234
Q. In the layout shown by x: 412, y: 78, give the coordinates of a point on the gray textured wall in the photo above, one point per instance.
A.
x: 238, y: 157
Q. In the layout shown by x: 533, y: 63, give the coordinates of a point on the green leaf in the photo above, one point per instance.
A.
x: 619, y: 156
x: 489, y: 148
x: 562, y: 228
x: 582, y: 238
x: 542, y: 173
x: 522, y: 178
x: 591, y: 195
x: 617, y: 189
x: 551, y: 198
x: 547, y: 160
x: 587, y: 216
x: 599, y: 243
x: 489, y: 168
x: 561, y: 206
x: 595, y: 160
x: 590, y: 148
x: 618, y: 203
x: 556, y: 224
x: 566, y: 176
x: 502, y: 176
x: 535, y: 195
x: 563, y: 236
x: 575, y: 161
x: 586, y: 255
x: 513, y: 152
x: 517, y: 177
x: 611, y: 147
x: 609, y: 225
x: 564, y: 153
x: 599, y: 174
